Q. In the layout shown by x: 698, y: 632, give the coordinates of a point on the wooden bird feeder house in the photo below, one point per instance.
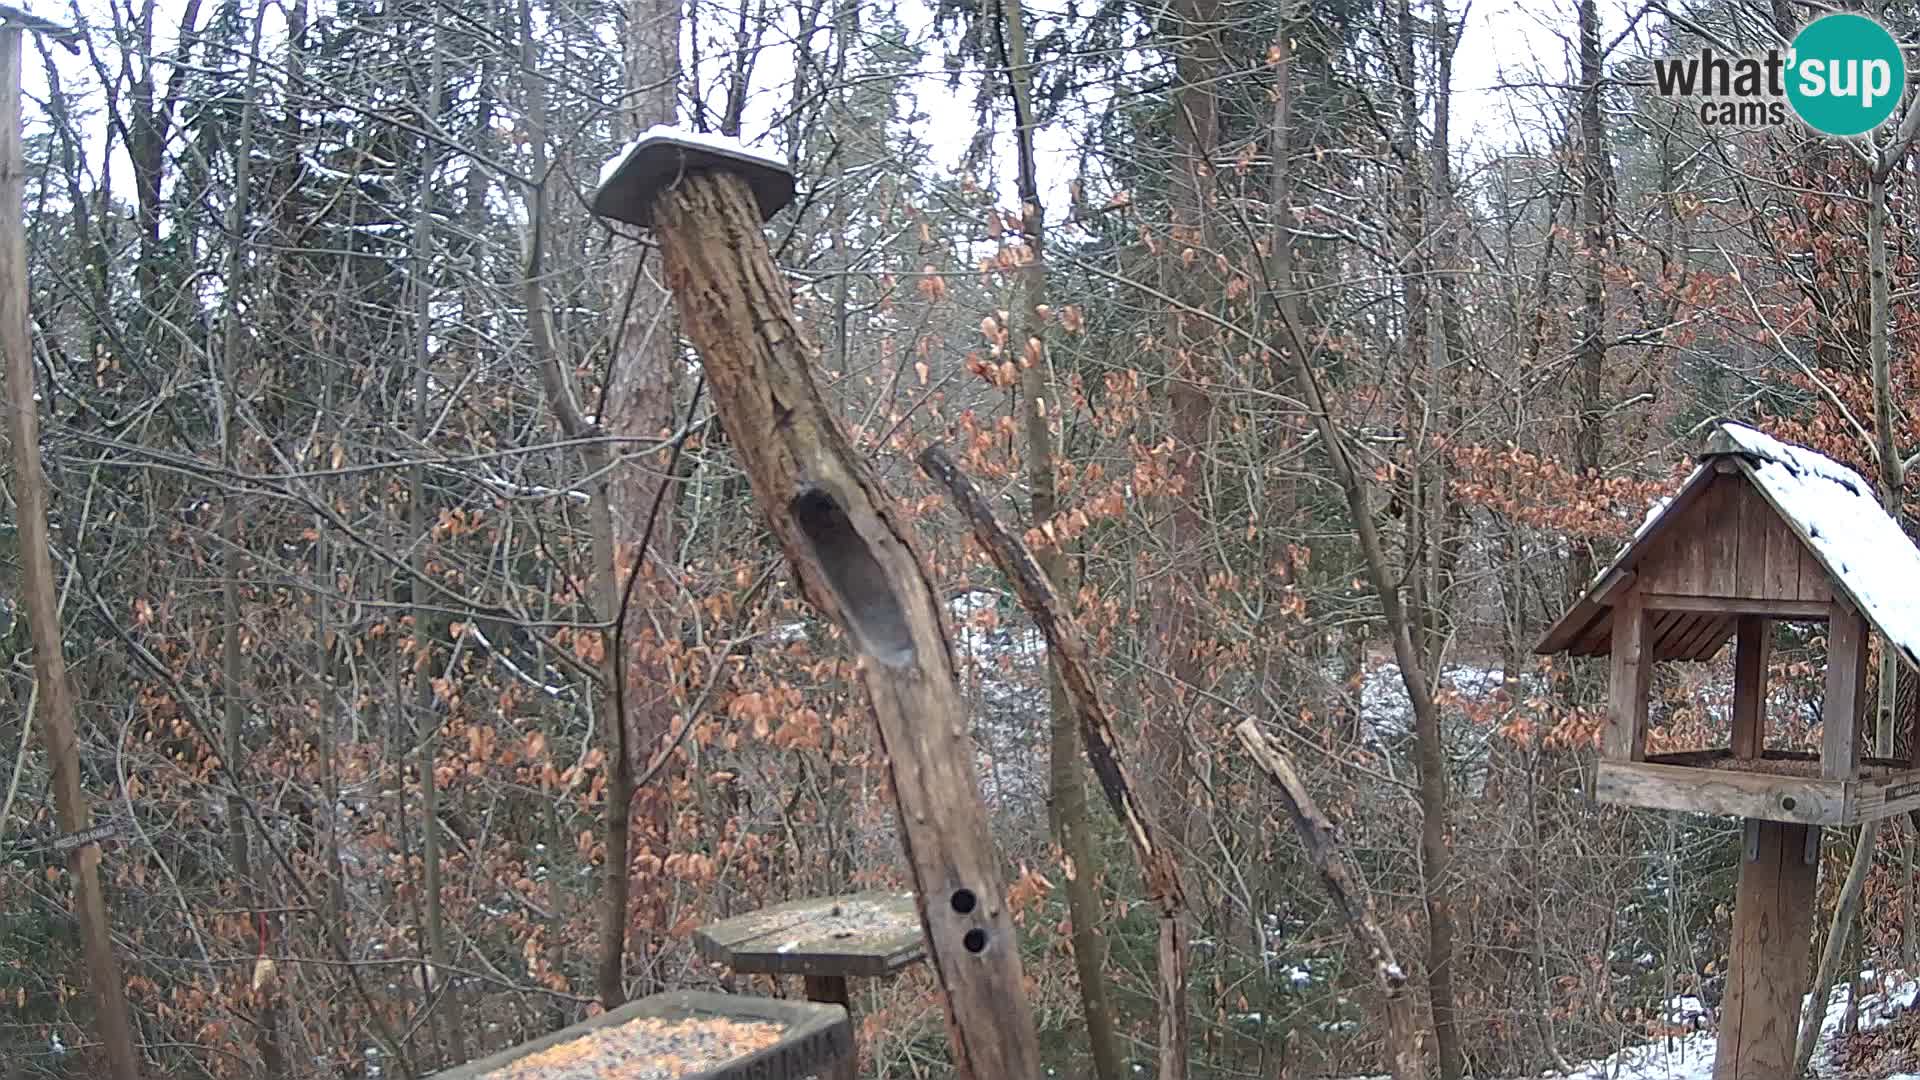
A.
x: 1762, y: 532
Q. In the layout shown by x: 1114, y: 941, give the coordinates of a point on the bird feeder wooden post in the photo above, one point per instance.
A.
x: 1761, y: 533
x: 849, y: 546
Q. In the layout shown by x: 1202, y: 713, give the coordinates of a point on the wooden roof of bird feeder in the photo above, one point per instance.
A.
x: 1761, y: 531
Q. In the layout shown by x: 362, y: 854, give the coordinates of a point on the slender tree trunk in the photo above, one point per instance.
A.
x: 1591, y: 349
x: 233, y: 673
x: 1071, y: 824
x: 112, y: 1023
x: 641, y: 384
x: 616, y: 887
x: 1355, y: 487
x: 1435, y: 857
x: 426, y: 712
x: 1176, y: 629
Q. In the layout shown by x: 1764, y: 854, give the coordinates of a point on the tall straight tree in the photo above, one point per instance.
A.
x: 640, y: 386
x: 1071, y: 826
x: 43, y: 611
x: 1436, y: 857
x: 1596, y: 168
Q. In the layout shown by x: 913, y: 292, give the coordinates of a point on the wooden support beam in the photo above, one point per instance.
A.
x: 1767, y: 970
x: 1632, y: 680
x: 1752, y: 640
x: 1846, y: 687
x: 832, y: 990
x: 1800, y: 610
x: 853, y: 557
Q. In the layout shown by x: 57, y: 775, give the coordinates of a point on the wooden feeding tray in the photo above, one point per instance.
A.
x: 1777, y: 786
x: 863, y: 935
x: 684, y: 1035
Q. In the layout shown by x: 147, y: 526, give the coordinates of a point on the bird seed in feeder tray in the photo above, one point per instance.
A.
x: 865, y: 935
x: 683, y: 1035
x: 646, y: 1049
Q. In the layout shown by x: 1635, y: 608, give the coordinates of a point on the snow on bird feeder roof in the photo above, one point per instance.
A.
x: 1861, y: 552
x: 652, y: 163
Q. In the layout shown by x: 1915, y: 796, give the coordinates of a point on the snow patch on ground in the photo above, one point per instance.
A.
x: 1690, y: 1057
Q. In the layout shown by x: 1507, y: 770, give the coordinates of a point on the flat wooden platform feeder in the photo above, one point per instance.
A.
x: 684, y: 1035
x: 1779, y: 785
x: 861, y: 935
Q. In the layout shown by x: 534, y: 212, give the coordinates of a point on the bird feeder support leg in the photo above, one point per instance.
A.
x: 1767, y: 969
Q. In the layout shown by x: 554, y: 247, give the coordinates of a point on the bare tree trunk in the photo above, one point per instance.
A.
x: 641, y: 381
x: 1590, y: 366
x: 113, y: 1024
x: 1070, y: 819
x: 233, y: 676
x: 1435, y: 861
x: 610, y: 969
x: 426, y: 712
x: 1191, y: 345
x: 1355, y: 486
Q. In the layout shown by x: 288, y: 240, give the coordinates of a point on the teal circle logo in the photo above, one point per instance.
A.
x: 1847, y: 74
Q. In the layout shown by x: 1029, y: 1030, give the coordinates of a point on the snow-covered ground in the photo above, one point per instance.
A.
x: 1690, y: 1057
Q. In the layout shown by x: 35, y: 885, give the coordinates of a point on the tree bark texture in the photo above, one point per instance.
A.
x: 640, y: 402
x: 852, y: 555
x: 1069, y: 792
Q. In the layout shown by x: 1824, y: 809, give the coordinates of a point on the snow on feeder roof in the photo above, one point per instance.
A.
x: 1765, y: 526
x: 652, y: 163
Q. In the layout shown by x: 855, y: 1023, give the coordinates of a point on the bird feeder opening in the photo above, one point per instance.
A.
x: 1762, y: 533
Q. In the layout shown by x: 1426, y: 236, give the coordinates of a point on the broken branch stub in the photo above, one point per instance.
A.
x: 1073, y: 662
x: 851, y: 553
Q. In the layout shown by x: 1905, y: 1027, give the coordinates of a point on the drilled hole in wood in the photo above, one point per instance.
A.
x: 963, y: 901
x: 873, y: 612
x: 975, y: 941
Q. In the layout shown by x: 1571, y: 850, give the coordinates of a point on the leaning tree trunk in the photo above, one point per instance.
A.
x: 852, y: 555
x: 71, y: 809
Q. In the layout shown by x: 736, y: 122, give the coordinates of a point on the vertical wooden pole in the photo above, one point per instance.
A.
x: 1632, y: 680
x: 1846, y: 684
x: 43, y: 615
x: 832, y: 990
x: 1751, y: 642
x: 1767, y: 971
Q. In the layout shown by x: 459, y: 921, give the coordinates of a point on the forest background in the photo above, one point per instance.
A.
x: 358, y: 425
